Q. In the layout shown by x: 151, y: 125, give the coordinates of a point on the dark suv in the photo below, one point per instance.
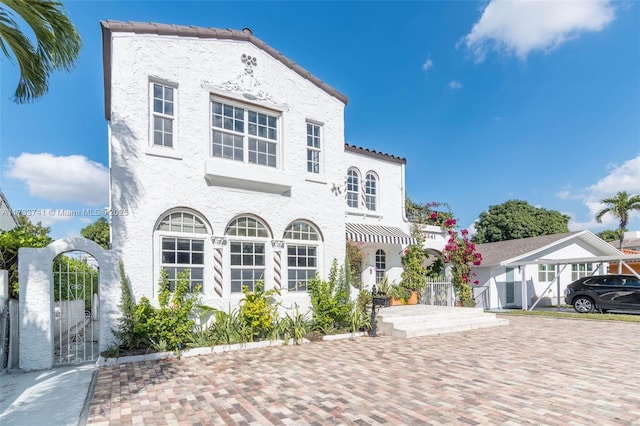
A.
x: 604, y: 292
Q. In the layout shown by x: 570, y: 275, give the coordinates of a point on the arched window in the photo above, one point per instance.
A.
x: 353, y: 188
x: 302, y: 254
x: 370, y: 191
x: 182, y: 245
x: 247, y: 251
x: 381, y: 265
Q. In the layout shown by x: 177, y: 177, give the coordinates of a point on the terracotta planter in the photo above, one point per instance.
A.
x: 396, y: 302
x: 413, y: 300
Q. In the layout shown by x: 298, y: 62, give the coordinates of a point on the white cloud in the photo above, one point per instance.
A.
x: 65, y: 178
x: 625, y: 177
x: 520, y: 27
x: 454, y: 85
x: 427, y: 65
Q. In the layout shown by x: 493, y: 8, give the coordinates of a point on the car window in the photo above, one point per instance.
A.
x: 632, y: 282
x: 605, y: 280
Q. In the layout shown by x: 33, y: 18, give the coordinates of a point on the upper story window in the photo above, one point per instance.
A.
x: 247, y: 251
x: 182, y: 243
x: 579, y: 270
x: 244, y: 134
x: 302, y: 254
x: 314, y: 148
x: 353, y: 188
x: 546, y: 273
x: 370, y: 191
x: 163, y: 114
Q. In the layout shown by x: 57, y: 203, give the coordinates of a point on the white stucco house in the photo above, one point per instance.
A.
x: 229, y: 159
x: 516, y: 273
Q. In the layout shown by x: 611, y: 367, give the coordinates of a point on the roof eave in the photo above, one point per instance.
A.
x: 108, y: 27
x: 375, y: 154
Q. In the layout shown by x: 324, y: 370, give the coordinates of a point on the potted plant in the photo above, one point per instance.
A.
x: 414, y: 272
x: 399, y: 295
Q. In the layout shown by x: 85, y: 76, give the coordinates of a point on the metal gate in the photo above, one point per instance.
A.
x: 75, y: 308
x: 438, y: 292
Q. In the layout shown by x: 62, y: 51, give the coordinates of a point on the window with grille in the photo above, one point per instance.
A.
x: 381, y: 265
x: 181, y: 247
x: 302, y: 254
x: 244, y: 133
x: 163, y: 102
x: 579, y: 270
x: 370, y: 191
x: 313, y: 148
x: 248, y: 254
x: 546, y: 273
x: 353, y: 188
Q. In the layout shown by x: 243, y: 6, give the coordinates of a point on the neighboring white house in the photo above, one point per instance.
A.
x: 229, y: 159
x: 542, y: 265
x: 8, y: 219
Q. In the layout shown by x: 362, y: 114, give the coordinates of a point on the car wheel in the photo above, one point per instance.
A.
x: 583, y: 304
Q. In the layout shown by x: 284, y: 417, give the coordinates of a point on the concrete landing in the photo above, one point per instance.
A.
x: 424, y: 320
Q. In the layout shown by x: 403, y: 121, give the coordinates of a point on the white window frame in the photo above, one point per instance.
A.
x: 546, y: 273
x: 579, y: 270
x: 244, y: 134
x: 313, y: 148
x: 350, y: 191
x: 248, y: 239
x: 371, y: 192
x: 381, y: 265
x: 193, y: 234
x: 297, y: 239
x: 162, y: 115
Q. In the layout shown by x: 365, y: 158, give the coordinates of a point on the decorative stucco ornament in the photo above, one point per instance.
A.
x: 246, y: 82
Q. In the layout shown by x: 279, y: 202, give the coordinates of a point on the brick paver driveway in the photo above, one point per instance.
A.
x: 533, y: 371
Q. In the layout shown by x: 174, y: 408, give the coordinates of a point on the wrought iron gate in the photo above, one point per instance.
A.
x: 75, y: 308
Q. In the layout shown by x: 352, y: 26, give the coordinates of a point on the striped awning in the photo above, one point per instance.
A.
x: 377, y: 234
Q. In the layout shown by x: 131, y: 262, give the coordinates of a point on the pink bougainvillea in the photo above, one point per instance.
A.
x: 461, y: 254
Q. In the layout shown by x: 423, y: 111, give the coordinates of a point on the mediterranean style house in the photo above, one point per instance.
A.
x: 228, y: 159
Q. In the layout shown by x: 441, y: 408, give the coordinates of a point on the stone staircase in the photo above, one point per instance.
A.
x: 424, y: 320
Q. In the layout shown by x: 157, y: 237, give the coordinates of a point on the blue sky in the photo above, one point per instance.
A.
x: 488, y: 101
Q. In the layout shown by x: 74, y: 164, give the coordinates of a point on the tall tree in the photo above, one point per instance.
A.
x: 609, y: 234
x: 57, y: 43
x: 621, y: 207
x: 516, y: 219
x: 97, y: 232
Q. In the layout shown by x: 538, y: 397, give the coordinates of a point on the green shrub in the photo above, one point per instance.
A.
x: 258, y: 310
x: 228, y: 329
x: 295, y: 327
x: 171, y: 325
x: 126, y: 332
x: 330, y: 301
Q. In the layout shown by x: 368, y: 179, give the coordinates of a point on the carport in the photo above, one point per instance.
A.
x: 564, y: 263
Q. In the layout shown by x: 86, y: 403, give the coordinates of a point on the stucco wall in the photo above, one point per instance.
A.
x: 391, y: 193
x: 36, y: 301
x: 145, y: 185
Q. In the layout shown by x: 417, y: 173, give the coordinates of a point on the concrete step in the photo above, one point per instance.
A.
x: 447, y: 328
x: 423, y: 320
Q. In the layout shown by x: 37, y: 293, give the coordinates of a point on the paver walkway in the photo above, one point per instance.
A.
x: 534, y: 371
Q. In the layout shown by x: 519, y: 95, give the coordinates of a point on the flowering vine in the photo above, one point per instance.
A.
x: 460, y: 253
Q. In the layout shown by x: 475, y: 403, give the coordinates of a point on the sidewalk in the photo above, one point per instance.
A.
x: 50, y: 397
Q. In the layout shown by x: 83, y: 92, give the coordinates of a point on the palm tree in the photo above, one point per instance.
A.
x: 620, y: 206
x: 58, y: 43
